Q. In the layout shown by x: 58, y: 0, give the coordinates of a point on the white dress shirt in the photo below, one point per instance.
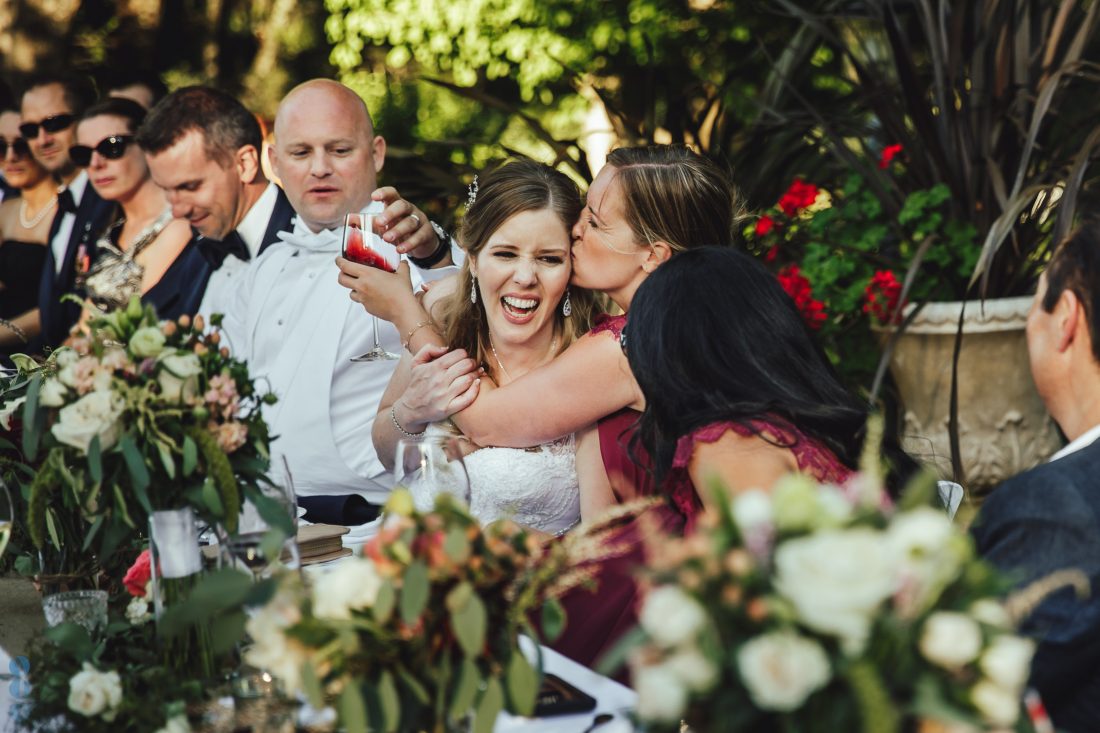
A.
x: 220, y: 287
x: 1084, y: 440
x: 298, y: 329
x: 60, y: 241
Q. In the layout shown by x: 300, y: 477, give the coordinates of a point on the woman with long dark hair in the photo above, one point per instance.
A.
x: 735, y: 386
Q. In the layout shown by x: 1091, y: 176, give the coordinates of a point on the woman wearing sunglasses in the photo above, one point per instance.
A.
x: 24, y: 230
x: 144, y: 251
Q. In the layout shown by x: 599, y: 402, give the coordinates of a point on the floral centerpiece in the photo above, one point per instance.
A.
x: 420, y: 632
x: 814, y: 608
x: 134, y: 417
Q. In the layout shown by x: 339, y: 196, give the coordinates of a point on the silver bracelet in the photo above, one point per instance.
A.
x: 403, y: 431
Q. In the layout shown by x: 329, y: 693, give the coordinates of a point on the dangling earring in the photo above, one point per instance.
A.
x: 566, y: 306
x: 473, y: 290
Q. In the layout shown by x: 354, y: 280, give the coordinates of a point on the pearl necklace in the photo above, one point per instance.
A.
x: 553, y: 349
x: 32, y: 223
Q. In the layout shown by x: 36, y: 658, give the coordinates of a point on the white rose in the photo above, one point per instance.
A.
x: 351, y: 585
x: 179, y: 377
x: 65, y: 357
x: 96, y: 413
x: 52, y: 393
x: 781, y: 669
x: 147, y: 341
x: 271, y: 650
x: 670, y: 616
x: 92, y: 692
x: 661, y: 695
x: 693, y: 669
x: 836, y: 581
x: 7, y: 410
x: 992, y: 613
x: 996, y: 704
x: 137, y: 611
x: 795, y: 499
x: 176, y: 724
x: 752, y: 509
x: 1007, y: 661
x: 929, y: 552
x: 950, y: 639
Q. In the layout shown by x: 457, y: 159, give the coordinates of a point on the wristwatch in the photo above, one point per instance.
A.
x: 441, y: 251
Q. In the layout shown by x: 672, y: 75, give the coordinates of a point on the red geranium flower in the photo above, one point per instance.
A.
x: 881, y: 296
x: 764, y: 225
x: 137, y: 577
x: 888, y: 154
x: 798, y: 287
x: 798, y: 197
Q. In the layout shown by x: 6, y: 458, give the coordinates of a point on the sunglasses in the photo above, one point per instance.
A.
x: 18, y: 147
x: 57, y: 123
x: 111, y: 148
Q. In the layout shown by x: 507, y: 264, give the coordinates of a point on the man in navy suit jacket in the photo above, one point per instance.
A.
x: 203, y: 148
x: 1048, y: 519
x: 51, y: 105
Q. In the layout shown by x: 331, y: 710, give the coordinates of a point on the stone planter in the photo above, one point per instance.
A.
x: 1003, y: 426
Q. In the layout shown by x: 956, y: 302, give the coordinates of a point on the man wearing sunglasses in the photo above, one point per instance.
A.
x: 51, y: 104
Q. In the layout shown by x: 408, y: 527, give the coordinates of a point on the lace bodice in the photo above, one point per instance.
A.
x: 536, y: 487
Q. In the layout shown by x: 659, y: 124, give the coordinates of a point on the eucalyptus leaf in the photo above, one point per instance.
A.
x: 465, y: 689
x: 469, y: 625
x: 389, y: 701
x: 553, y: 619
x: 139, y: 474
x: 226, y: 632
x: 523, y: 683
x: 167, y: 460
x: 190, y: 456
x: 489, y: 707
x: 352, y: 709
x: 457, y: 546
x: 212, y: 499
x: 51, y: 527
x: 311, y: 685
x: 384, y: 602
x: 414, y: 592
x: 95, y: 460
x: 32, y: 424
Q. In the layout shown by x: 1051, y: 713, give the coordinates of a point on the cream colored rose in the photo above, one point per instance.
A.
x: 271, y: 649
x: 929, y: 552
x: 176, y: 724
x: 351, y: 585
x: 1007, y: 661
x: 179, y: 377
x: 661, y: 694
x: 96, y: 413
x: 992, y: 613
x: 137, y: 611
x: 752, y: 509
x: 781, y: 669
x: 7, y: 410
x: 996, y: 704
x: 52, y: 393
x: 836, y: 581
x: 795, y: 499
x: 693, y: 668
x: 92, y: 693
x: 670, y: 616
x: 950, y: 639
x: 146, y: 342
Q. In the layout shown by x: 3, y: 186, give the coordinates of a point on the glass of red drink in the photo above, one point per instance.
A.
x: 358, y: 246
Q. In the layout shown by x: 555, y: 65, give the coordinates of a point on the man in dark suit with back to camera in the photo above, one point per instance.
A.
x: 203, y: 148
x: 1048, y: 518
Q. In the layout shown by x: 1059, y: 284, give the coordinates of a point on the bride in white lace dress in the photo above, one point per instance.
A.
x: 509, y: 308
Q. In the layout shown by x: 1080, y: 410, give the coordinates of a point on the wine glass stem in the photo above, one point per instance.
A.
x: 374, y: 325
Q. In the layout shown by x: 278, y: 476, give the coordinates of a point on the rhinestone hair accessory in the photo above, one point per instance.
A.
x: 471, y: 194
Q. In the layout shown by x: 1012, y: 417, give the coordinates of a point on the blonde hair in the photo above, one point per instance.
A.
x: 674, y: 195
x: 512, y: 188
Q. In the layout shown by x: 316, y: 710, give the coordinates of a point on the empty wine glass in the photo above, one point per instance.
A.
x: 249, y: 548
x: 429, y: 466
x: 358, y: 246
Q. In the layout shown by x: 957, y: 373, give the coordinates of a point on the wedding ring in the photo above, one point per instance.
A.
x: 417, y: 218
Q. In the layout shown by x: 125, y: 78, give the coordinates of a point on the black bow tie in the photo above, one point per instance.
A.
x: 216, y: 252
x: 65, y: 203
